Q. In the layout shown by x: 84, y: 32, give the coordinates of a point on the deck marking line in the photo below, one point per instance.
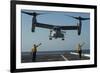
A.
x: 87, y: 55
x: 64, y: 57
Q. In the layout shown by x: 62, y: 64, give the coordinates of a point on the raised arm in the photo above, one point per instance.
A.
x: 39, y: 45
x: 82, y: 44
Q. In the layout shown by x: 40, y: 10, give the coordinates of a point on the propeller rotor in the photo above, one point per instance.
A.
x: 32, y: 13
x: 79, y: 17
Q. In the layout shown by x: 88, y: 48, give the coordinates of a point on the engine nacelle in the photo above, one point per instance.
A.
x: 33, y: 27
x: 79, y: 28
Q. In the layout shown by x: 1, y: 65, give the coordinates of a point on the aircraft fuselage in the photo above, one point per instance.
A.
x: 56, y: 33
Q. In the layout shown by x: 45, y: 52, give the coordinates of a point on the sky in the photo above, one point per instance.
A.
x: 41, y: 35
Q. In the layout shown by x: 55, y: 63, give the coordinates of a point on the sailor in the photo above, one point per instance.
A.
x: 79, y: 51
x: 34, y: 51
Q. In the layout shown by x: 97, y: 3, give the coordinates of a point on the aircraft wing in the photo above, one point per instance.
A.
x: 42, y: 25
x: 48, y: 26
x: 69, y: 27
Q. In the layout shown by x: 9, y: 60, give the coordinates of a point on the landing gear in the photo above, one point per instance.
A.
x: 33, y: 30
x: 50, y: 38
x: 63, y: 39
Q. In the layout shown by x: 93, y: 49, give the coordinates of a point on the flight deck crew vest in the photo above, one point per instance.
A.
x: 34, y: 49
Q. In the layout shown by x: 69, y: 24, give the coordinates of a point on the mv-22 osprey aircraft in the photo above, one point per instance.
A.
x: 55, y: 30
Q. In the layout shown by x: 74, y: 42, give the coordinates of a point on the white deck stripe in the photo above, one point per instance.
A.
x: 82, y: 54
x: 64, y: 57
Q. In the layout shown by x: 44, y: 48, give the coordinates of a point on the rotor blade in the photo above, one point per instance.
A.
x: 37, y: 12
x: 85, y: 18
x: 73, y: 16
x: 79, y: 17
x: 27, y: 13
x: 33, y: 13
x: 40, y: 13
